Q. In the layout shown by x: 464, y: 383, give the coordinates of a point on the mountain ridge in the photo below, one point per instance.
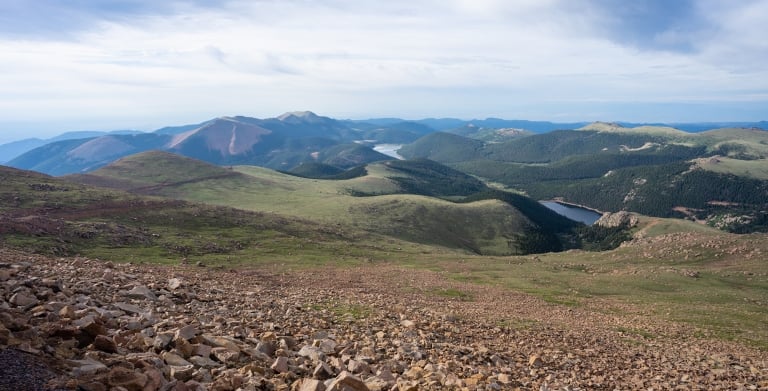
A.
x: 390, y: 134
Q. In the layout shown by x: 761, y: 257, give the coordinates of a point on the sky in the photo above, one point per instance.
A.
x: 143, y: 64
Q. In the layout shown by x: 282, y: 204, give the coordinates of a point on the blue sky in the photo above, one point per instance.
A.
x: 142, y: 64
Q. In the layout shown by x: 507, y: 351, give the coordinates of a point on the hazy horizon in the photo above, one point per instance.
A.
x: 143, y: 64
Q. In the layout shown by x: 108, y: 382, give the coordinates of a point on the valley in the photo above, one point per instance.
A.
x: 438, y: 271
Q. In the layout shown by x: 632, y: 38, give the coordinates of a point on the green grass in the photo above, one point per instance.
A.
x: 728, y: 300
x: 750, y: 143
x: 757, y: 169
x: 487, y: 227
x: 651, y: 227
x: 451, y: 293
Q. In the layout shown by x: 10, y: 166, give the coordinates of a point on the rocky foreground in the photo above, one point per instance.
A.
x: 84, y: 324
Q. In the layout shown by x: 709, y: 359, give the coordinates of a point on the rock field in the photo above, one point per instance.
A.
x: 81, y: 324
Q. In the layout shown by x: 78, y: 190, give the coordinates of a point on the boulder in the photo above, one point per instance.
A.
x: 347, y: 382
x: 141, y: 292
x: 126, y: 378
x: 23, y: 298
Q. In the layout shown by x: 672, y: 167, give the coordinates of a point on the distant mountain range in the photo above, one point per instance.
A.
x: 279, y: 143
x: 13, y: 149
x: 283, y: 142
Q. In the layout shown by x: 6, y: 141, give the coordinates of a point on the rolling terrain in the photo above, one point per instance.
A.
x: 716, y: 176
x: 679, y: 304
x: 402, y: 274
x: 410, y: 201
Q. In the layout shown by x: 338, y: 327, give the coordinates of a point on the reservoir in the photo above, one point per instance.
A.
x: 389, y: 150
x: 573, y: 212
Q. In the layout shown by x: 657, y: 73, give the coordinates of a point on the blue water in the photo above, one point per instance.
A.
x: 576, y: 213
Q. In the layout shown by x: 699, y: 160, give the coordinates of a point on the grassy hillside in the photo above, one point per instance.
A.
x: 53, y: 216
x: 647, y: 129
x: 755, y: 169
x: 150, y: 169
x: 426, y: 177
x: 744, y: 144
x: 315, y: 170
x: 399, y: 200
x: 673, y: 270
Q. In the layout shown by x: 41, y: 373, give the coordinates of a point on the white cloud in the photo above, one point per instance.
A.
x: 421, y: 58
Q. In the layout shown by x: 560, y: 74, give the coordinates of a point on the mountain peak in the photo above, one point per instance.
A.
x: 226, y: 135
x: 303, y: 116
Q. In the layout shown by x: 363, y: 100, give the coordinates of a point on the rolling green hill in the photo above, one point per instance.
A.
x: 50, y: 215
x: 403, y: 200
x: 429, y: 178
x: 444, y: 148
x: 315, y: 170
x: 743, y: 144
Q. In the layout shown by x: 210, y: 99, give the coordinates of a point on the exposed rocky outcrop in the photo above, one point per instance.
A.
x: 91, y: 325
x: 617, y: 219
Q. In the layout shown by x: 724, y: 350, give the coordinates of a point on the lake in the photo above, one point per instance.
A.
x: 573, y: 212
x: 389, y: 150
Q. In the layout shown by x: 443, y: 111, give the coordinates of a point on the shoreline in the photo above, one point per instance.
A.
x: 565, y: 203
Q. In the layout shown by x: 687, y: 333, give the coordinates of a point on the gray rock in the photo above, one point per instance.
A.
x: 203, y: 362
x: 226, y: 355
x: 617, y: 219
x: 141, y: 292
x: 187, y: 332
x: 323, y: 371
x: 87, y: 366
x: 311, y: 352
x: 23, y: 298
x: 128, y: 308
x: 174, y: 283
x: 162, y: 341
x: 175, y: 359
